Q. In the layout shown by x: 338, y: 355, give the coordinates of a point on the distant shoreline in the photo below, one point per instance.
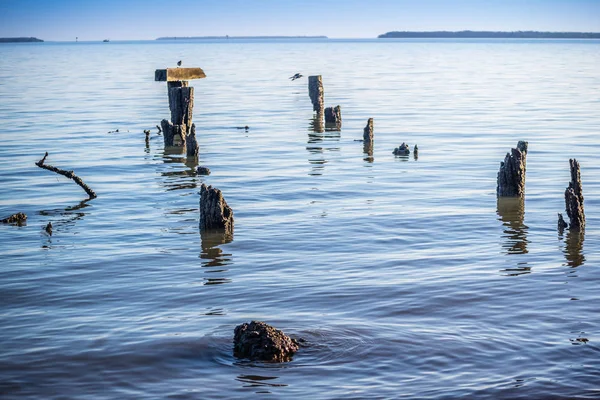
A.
x: 491, y: 35
x: 20, y: 40
x: 237, y: 37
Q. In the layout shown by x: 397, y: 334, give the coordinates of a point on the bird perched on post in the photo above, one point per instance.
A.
x: 296, y: 76
x: 179, y: 63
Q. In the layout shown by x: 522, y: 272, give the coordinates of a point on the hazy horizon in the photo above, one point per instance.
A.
x: 64, y: 20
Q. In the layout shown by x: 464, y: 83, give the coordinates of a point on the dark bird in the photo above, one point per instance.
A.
x: 179, y: 63
x: 296, y: 76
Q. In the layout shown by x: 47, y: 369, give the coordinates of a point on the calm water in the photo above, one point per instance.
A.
x: 406, y: 277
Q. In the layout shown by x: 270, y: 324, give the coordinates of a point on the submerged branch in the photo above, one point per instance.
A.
x: 68, y: 174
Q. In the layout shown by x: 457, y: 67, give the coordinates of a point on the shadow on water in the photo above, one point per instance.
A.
x: 212, y: 254
x: 573, y: 248
x: 511, y: 211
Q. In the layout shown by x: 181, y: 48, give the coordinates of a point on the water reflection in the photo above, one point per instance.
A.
x: 511, y: 211
x: 316, y: 145
x: 316, y: 124
x: 63, y: 220
x: 574, y: 247
x: 259, y: 381
x: 368, y: 151
x: 212, y: 254
x: 177, y: 179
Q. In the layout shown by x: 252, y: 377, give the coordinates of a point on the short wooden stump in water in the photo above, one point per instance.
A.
x: 262, y: 342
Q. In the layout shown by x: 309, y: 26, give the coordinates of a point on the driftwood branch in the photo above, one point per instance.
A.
x: 68, y: 174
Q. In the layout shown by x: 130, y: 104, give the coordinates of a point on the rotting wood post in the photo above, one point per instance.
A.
x: 315, y: 92
x: 333, y: 117
x: 368, y: 140
x: 180, y: 130
x: 215, y: 214
x: 574, y: 198
x: 511, y: 176
x: 368, y: 131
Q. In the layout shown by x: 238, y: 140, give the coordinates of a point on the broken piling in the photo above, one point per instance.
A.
x: 511, y: 176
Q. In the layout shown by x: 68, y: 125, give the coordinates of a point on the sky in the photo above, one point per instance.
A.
x: 63, y: 20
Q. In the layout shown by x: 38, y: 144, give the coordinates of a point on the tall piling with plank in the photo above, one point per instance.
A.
x: 511, y: 176
x: 180, y: 131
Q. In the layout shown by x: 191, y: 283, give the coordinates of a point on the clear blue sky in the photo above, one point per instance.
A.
x: 149, y: 19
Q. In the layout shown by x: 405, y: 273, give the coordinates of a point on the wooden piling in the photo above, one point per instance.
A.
x: 574, y: 198
x: 215, y: 214
x: 368, y: 131
x: 511, y: 176
x: 316, y: 93
x: 333, y: 118
x: 180, y: 131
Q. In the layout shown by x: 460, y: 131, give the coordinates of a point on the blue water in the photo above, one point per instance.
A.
x: 406, y: 277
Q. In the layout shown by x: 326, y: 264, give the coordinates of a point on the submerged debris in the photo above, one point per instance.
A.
x: 259, y: 341
x: 402, y: 150
x: 68, y: 174
x: 18, y: 219
x: 203, y: 170
x: 562, y: 225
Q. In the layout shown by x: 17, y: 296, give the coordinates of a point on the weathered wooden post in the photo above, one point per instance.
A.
x: 368, y: 131
x: 511, y: 176
x: 573, y: 200
x: 333, y: 117
x: 315, y: 92
x: 368, y: 140
x: 180, y: 131
x: 215, y: 214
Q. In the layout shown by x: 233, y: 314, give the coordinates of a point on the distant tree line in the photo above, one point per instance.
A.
x: 492, y: 34
x: 237, y: 37
x: 20, y: 40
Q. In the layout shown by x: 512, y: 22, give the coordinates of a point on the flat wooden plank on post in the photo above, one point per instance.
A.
x: 178, y: 74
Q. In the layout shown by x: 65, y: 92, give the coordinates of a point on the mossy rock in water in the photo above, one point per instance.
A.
x: 18, y: 219
x: 262, y: 342
x: 402, y: 150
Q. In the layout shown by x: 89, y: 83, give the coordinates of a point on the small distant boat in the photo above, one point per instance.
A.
x: 106, y: 40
